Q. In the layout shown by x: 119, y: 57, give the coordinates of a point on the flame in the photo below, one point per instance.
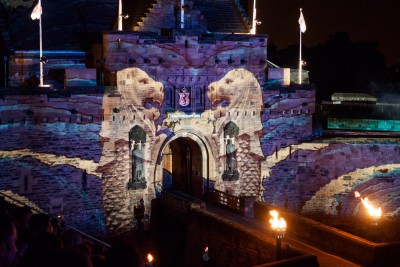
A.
x: 373, y: 212
x: 150, y: 258
x: 277, y: 224
x: 206, y: 250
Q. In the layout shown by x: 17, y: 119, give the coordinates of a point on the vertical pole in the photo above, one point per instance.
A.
x: 182, y: 14
x: 253, y: 25
x: 278, y: 248
x: 300, y: 65
x: 5, y: 70
x: 40, y: 46
x: 120, y: 15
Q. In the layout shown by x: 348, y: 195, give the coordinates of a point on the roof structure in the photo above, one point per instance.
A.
x: 353, y: 97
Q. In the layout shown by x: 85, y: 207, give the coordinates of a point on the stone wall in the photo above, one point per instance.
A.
x: 184, y: 60
x: 78, y: 142
x: 317, y: 181
x: 54, y: 147
x: 287, y: 117
x: 49, y: 153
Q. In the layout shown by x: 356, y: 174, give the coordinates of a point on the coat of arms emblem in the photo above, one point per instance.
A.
x: 184, y: 97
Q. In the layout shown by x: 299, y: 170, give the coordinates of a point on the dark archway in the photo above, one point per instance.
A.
x: 185, y: 161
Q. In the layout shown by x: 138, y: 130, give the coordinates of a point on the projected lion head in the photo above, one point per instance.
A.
x: 141, y: 91
x: 237, y: 89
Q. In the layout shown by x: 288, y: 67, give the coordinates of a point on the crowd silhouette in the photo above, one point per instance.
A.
x: 37, y: 240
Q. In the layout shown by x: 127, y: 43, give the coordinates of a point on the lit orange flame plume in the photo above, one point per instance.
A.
x: 150, y: 258
x: 275, y: 222
x: 373, y: 212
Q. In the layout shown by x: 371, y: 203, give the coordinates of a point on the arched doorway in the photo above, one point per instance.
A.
x: 183, y: 166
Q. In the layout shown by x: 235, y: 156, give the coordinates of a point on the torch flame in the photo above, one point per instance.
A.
x: 150, y: 258
x: 373, y: 212
x: 275, y: 222
x: 206, y: 250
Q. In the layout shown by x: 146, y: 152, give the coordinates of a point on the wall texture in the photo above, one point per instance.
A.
x: 70, y: 151
x: 49, y: 152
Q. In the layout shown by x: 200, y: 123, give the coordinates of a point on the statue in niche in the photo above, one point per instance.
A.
x: 230, y: 173
x: 137, y: 180
x: 137, y: 162
x: 230, y: 156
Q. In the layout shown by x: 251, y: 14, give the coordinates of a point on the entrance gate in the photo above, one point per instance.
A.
x: 185, y: 165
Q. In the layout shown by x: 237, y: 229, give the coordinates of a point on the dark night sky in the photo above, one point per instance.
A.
x: 364, y: 20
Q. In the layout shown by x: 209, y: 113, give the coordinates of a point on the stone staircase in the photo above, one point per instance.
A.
x: 161, y: 15
x: 136, y: 10
x: 222, y: 16
x: 200, y: 15
x: 165, y: 14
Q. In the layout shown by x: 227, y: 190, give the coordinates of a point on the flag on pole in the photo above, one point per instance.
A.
x: 302, y: 22
x: 36, y: 12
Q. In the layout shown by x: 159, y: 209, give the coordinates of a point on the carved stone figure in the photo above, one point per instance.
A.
x: 231, y: 173
x: 230, y: 156
x: 137, y: 163
x: 137, y: 181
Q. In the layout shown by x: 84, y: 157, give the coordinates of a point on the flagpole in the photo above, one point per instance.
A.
x: 254, y: 21
x: 182, y: 14
x: 40, y: 47
x: 300, y: 65
x: 120, y: 15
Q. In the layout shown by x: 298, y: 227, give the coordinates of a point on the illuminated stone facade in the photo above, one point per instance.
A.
x: 184, y: 111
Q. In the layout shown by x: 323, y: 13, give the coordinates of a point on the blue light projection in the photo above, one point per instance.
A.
x: 282, y: 127
x: 364, y: 124
x: 55, y: 138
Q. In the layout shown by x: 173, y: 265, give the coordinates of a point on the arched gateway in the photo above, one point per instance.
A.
x: 157, y: 136
x: 185, y: 164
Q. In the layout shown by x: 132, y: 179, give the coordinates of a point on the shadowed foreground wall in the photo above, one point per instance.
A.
x: 228, y: 243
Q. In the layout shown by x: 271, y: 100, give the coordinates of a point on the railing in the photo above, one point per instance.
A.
x: 19, y: 203
x: 224, y: 199
x: 243, y: 205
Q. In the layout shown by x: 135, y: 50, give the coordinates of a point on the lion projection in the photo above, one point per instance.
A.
x: 238, y: 95
x: 141, y: 91
x: 237, y: 89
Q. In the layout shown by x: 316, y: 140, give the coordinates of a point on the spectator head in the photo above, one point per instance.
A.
x: 70, y: 257
x: 22, y: 216
x: 8, y: 239
x: 40, y: 223
x: 123, y: 255
x: 71, y: 238
x: 40, y: 249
